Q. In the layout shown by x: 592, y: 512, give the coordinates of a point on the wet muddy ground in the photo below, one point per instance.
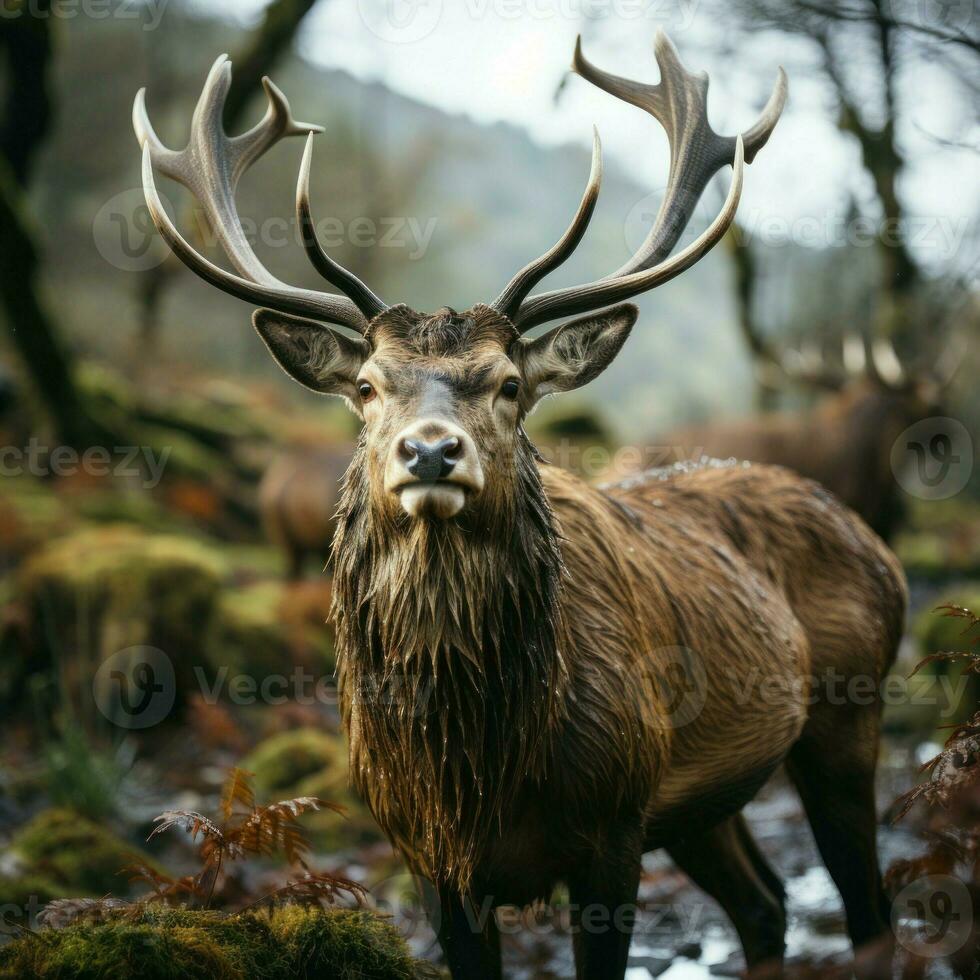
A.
x: 682, y: 934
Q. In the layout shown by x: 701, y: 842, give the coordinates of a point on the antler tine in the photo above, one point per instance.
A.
x: 277, y: 123
x: 854, y: 354
x: 509, y: 301
x: 883, y: 364
x: 807, y: 365
x: 286, y: 299
x: 679, y: 102
x: 210, y: 167
x: 366, y: 301
x: 577, y: 299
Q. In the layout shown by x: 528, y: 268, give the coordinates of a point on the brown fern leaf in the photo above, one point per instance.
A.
x: 237, y: 790
x: 955, y: 768
x: 274, y: 828
x: 313, y: 888
x: 951, y: 611
x: 189, y: 820
x: 972, y: 667
x: 164, y: 888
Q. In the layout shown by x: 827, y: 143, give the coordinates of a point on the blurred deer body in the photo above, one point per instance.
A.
x: 298, y: 498
x: 844, y: 443
x: 542, y: 680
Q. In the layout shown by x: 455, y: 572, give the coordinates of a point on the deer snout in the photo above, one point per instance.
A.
x: 431, y: 461
x: 432, y: 467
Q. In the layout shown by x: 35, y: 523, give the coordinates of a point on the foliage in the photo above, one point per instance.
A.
x: 953, y: 790
x: 243, y: 830
x: 72, y: 854
x: 309, y: 761
x: 157, y: 943
x: 83, y: 776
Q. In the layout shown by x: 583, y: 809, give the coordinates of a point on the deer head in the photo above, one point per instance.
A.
x: 443, y: 396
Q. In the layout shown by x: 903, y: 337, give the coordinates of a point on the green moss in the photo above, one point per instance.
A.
x: 343, y: 943
x: 247, y: 635
x: 311, y: 762
x: 257, y: 630
x: 30, y: 513
x: 75, y: 855
x: 285, y: 762
x: 165, y: 944
x: 92, y: 594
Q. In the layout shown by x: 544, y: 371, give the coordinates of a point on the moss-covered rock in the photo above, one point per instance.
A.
x: 246, y: 634
x: 312, y: 762
x: 261, y: 629
x: 286, y: 763
x: 89, y: 595
x: 30, y: 513
x: 64, y: 854
x: 165, y: 944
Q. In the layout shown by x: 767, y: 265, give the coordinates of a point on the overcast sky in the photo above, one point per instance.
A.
x: 501, y: 60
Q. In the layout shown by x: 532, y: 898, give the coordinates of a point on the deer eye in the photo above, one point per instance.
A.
x: 510, y: 388
x: 366, y: 390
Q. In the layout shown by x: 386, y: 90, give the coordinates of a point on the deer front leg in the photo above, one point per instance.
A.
x: 467, y: 934
x: 603, y: 900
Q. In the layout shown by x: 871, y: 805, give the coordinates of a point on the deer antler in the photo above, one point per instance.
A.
x: 210, y: 167
x: 679, y: 103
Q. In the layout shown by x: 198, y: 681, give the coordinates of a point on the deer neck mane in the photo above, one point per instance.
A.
x: 449, y: 663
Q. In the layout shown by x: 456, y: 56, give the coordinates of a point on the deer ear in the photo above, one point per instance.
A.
x: 576, y: 352
x: 317, y: 357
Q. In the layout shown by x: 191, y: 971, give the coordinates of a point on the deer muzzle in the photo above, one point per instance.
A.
x: 433, y: 468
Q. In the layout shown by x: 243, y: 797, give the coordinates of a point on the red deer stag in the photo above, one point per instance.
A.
x: 845, y: 441
x: 536, y: 628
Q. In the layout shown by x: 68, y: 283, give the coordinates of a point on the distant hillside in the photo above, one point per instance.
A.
x: 492, y: 198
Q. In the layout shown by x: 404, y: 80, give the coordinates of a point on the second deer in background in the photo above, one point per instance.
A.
x: 845, y: 440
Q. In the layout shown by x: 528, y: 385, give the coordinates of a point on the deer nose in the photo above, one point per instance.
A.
x: 430, y: 461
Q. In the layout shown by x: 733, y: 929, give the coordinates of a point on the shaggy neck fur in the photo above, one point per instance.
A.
x: 450, y: 671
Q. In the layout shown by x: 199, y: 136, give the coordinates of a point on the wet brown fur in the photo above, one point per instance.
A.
x: 505, y: 674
